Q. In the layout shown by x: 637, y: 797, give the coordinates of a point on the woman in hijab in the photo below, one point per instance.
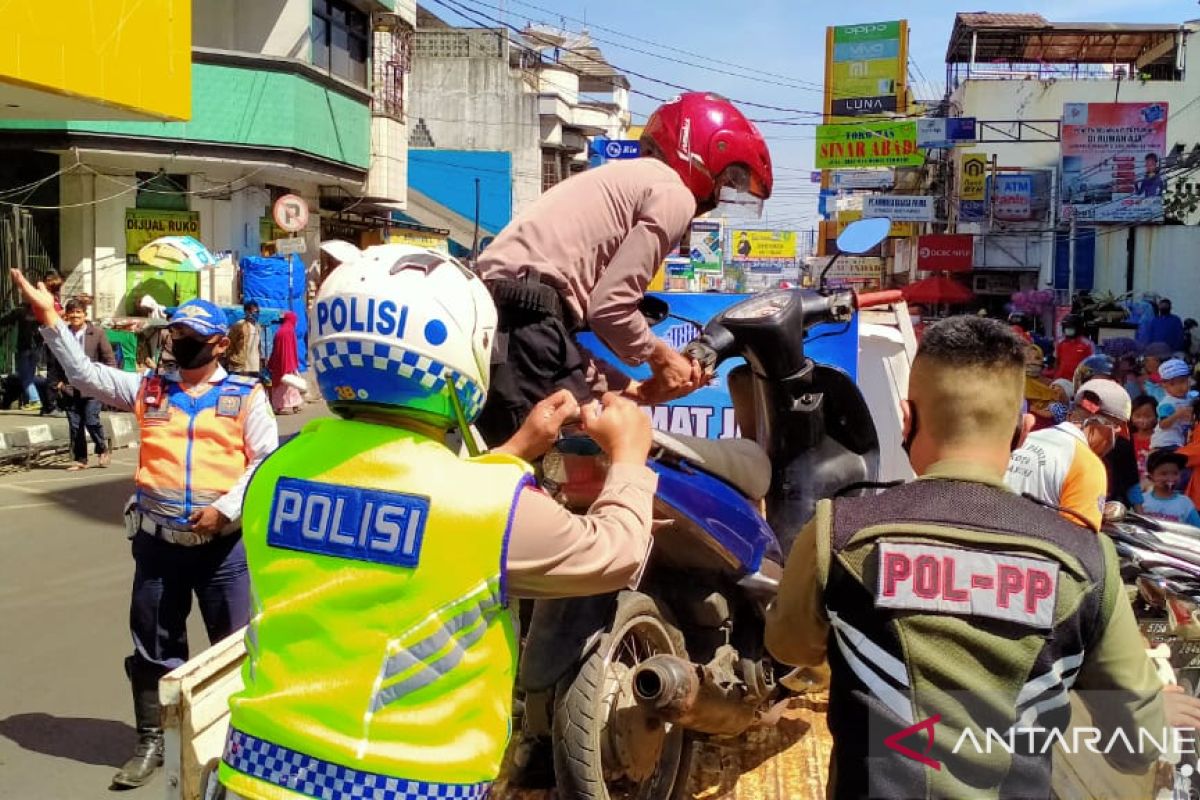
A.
x: 284, y: 361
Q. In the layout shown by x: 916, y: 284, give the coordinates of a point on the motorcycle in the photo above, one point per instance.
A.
x: 624, y: 683
x: 1160, y: 563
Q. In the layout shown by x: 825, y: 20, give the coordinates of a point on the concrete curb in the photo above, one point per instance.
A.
x: 27, y: 434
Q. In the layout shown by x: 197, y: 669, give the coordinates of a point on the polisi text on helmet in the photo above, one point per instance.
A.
x: 361, y: 315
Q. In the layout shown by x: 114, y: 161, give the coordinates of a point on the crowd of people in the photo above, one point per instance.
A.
x: 1135, y: 411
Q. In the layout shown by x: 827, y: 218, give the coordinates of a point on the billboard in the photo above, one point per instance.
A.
x: 706, y: 246
x: 865, y: 68
x: 757, y: 246
x: 946, y: 252
x: 868, y: 144
x: 1111, y: 161
x: 905, y: 208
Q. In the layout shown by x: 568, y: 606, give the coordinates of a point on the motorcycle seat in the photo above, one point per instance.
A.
x: 739, y: 462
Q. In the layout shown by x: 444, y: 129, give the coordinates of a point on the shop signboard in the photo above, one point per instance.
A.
x: 899, y: 230
x: 144, y: 225
x: 708, y: 412
x: 945, y: 252
x: 1012, y: 197
x: 972, y: 187
x: 863, y: 178
x: 706, y: 246
x: 868, y: 144
x: 942, y: 132
x: 865, y: 67
x: 430, y: 241
x: 899, y: 208
x: 860, y: 272
x: 1112, y: 156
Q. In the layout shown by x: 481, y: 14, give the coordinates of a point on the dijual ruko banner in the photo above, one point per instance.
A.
x: 868, y: 144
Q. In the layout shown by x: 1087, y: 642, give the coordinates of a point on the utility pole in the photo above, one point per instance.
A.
x: 1071, y: 262
x: 475, y: 243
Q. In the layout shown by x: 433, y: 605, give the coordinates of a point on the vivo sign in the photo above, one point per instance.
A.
x: 949, y: 252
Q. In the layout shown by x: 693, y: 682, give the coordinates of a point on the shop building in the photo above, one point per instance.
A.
x: 290, y: 96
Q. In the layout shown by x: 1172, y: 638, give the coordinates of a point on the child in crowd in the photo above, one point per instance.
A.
x: 1164, y: 501
x: 1064, y: 393
x: 1142, y: 422
x: 1175, y: 416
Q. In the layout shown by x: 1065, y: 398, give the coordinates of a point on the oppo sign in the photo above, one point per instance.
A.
x: 949, y: 252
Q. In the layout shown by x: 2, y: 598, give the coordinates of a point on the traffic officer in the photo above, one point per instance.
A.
x: 582, y: 255
x: 951, y: 604
x: 381, y: 653
x: 202, y: 433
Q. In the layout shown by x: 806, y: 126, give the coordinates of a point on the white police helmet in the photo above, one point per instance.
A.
x: 402, y: 327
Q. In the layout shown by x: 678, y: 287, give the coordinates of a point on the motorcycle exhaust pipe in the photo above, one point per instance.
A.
x: 686, y: 694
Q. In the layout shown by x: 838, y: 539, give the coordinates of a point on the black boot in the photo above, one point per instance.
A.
x: 148, y: 755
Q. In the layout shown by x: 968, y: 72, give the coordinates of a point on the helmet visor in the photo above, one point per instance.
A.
x: 736, y: 202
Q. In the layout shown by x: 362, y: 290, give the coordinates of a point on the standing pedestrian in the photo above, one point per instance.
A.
x: 28, y: 354
x: 285, y: 362
x: 203, y: 432
x: 1073, y: 348
x: 245, y: 343
x: 83, y: 412
x: 951, y: 606
x: 380, y: 664
x: 1167, y: 327
x: 582, y: 255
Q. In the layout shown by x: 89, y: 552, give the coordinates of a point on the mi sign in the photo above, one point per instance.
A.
x: 900, y: 208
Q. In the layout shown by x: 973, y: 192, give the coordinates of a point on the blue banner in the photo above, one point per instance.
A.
x: 708, y: 412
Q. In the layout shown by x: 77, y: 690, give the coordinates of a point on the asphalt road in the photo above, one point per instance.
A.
x: 66, y: 717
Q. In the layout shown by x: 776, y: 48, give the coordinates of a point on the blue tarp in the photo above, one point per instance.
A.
x: 708, y: 412
x: 276, y: 283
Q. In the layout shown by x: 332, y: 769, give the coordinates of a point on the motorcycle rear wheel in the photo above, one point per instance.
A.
x: 605, y: 746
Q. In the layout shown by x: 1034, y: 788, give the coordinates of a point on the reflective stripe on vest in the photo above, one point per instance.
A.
x: 394, y: 663
x: 452, y: 640
x: 192, y: 447
x: 313, y: 777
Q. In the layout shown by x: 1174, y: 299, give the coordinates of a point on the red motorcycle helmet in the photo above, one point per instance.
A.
x: 700, y: 135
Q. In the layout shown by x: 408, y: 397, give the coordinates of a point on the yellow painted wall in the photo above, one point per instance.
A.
x: 123, y: 55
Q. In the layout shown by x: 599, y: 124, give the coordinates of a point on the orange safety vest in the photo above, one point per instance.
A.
x: 193, y: 446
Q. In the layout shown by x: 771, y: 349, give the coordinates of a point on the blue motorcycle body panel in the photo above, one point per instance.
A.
x: 725, y: 514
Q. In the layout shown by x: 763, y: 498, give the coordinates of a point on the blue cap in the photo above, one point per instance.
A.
x: 1173, y: 368
x: 201, y: 317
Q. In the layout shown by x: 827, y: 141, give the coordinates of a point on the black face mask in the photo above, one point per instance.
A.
x: 192, y: 353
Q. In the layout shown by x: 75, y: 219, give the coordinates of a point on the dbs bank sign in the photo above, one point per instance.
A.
x: 949, y: 252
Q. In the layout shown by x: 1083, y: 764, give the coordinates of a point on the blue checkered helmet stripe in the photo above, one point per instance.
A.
x: 389, y: 375
x: 324, y: 780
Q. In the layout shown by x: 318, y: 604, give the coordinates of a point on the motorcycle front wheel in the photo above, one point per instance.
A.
x: 605, y: 746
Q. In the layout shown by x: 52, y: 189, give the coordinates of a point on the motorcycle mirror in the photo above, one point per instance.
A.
x: 1114, y: 511
x: 863, y: 235
x: 654, y: 309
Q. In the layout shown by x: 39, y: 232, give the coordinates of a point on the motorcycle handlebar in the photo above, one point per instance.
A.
x: 869, y: 299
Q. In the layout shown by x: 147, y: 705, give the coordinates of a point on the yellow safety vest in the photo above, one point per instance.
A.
x: 381, y: 654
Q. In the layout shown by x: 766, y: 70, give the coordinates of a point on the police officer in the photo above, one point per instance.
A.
x: 951, y: 604
x: 202, y: 433
x: 381, y: 653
